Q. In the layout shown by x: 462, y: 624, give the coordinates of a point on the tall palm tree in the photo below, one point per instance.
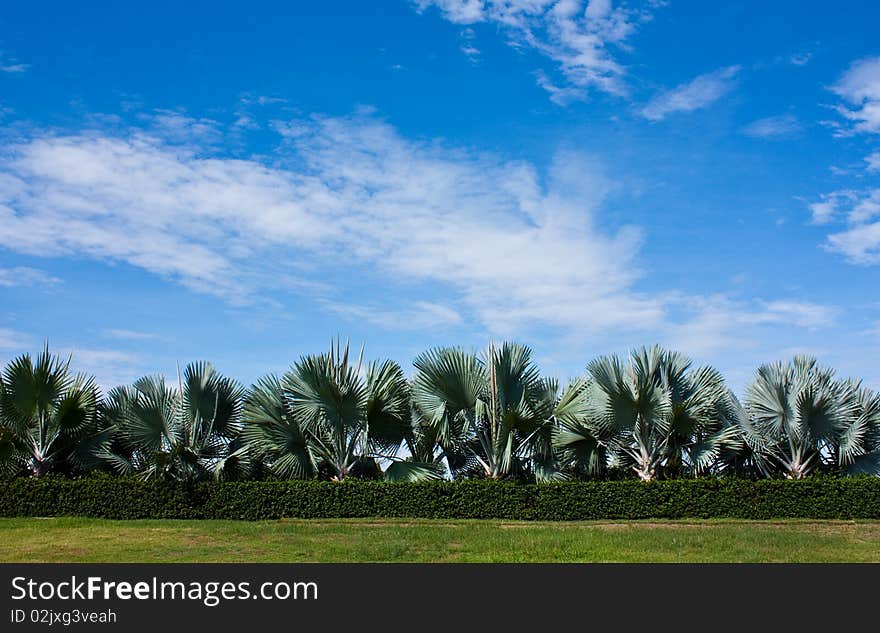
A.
x: 490, y: 414
x: 184, y: 432
x: 46, y: 415
x: 800, y: 418
x: 330, y: 417
x: 653, y: 414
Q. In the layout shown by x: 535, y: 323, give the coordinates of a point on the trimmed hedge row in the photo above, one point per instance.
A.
x: 116, y: 498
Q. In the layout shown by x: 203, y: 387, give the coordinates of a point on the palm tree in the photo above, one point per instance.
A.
x: 576, y: 442
x: 272, y: 433
x: 329, y: 417
x: 490, y: 415
x: 800, y: 418
x: 46, y: 415
x: 654, y: 415
x: 859, y: 444
x: 186, y: 432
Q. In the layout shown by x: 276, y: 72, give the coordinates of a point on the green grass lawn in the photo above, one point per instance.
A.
x: 93, y: 540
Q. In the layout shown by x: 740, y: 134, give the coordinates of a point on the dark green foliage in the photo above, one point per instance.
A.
x: 104, y: 496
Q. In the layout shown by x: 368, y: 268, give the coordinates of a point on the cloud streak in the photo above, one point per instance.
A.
x: 12, y: 65
x: 699, y: 93
x: 581, y: 39
x: 774, y: 127
x: 25, y: 276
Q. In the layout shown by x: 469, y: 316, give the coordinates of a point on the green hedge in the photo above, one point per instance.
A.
x: 115, y: 498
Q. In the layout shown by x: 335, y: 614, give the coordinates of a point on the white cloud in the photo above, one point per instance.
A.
x: 860, y: 244
x: 773, y: 127
x: 11, y: 65
x: 248, y: 99
x: 131, y: 335
x: 866, y: 207
x: 246, y: 121
x: 512, y: 250
x: 859, y: 87
x: 830, y: 206
x: 500, y: 245
x: 109, y: 367
x: 854, y: 206
x: 24, y: 276
x: 718, y: 322
x: 467, y: 46
x: 698, y: 93
x: 800, y: 59
x: 174, y: 126
x: 859, y: 210
x: 12, y: 341
x: 580, y: 38
x: 562, y: 95
x: 803, y: 314
x: 421, y: 315
x: 823, y: 212
x: 457, y: 11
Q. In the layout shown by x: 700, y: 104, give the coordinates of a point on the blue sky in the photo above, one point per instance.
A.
x: 241, y: 184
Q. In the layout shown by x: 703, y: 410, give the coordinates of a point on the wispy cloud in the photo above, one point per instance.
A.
x: 484, y: 226
x: 800, y: 59
x: 13, y: 341
x: 855, y: 210
x: 11, y: 64
x: 824, y: 211
x: 25, y: 276
x: 261, y: 100
x: 130, y: 335
x: 696, y: 94
x: 774, y: 127
x: 718, y: 322
x: 245, y: 117
x: 859, y: 210
x: 505, y: 247
x: 174, y: 126
x: 803, y: 314
x: 468, y: 45
x: 860, y: 244
x: 421, y: 315
x: 110, y: 367
x: 581, y: 38
x: 859, y: 87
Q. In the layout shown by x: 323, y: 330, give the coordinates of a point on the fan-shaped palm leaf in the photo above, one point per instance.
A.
x: 491, y: 412
x: 802, y: 418
x: 183, y: 432
x: 654, y: 414
x: 46, y: 415
x: 328, y: 417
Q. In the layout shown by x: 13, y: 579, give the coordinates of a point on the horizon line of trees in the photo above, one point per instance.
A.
x: 652, y: 415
